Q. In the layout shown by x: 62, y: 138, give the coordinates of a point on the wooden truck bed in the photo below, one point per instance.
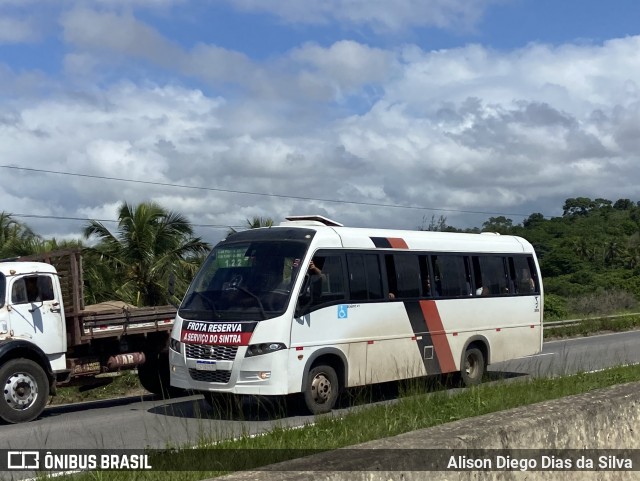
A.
x: 85, y: 323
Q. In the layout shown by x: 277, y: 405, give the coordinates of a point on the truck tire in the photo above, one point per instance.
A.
x: 473, y: 367
x: 154, y: 374
x: 25, y: 391
x: 321, y: 389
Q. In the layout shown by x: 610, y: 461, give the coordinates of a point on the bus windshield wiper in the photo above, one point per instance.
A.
x: 208, y: 302
x: 248, y: 292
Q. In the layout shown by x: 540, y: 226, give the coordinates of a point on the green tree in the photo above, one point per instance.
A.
x: 533, y: 220
x: 254, y: 223
x: 612, y: 251
x: 434, y: 225
x: 600, y: 203
x: 623, y: 204
x: 632, y: 257
x: 499, y: 224
x: 577, y: 206
x: 582, y: 248
x: 150, y: 242
x: 16, y: 238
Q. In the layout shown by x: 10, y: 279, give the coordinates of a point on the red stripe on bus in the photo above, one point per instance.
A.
x: 397, y: 243
x: 438, y: 337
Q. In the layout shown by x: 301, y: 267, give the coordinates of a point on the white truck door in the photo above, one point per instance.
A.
x: 35, y: 312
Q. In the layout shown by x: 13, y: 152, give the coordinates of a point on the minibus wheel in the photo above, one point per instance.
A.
x: 473, y: 367
x: 321, y: 389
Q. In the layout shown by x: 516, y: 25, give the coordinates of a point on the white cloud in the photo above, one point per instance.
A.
x: 119, y: 33
x: 137, y: 3
x: 345, y: 65
x: 380, y: 15
x: 17, y: 30
x: 569, y: 77
x: 469, y: 129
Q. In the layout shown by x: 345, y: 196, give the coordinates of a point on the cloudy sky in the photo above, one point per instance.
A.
x: 371, y: 112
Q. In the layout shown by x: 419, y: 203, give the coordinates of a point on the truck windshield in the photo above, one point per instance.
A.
x: 3, y: 285
x: 245, y: 280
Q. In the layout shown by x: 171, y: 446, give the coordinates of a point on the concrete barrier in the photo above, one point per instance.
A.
x: 593, y: 422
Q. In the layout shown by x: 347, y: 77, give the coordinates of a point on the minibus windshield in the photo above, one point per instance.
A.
x: 250, y: 279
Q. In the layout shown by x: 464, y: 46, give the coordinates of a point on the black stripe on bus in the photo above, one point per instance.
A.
x: 381, y: 242
x: 423, y: 336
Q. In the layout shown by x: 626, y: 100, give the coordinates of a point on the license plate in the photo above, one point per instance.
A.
x: 206, y: 366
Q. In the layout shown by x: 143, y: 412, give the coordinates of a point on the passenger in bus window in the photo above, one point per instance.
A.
x: 527, y: 284
x: 427, y: 287
x: 482, y: 291
x: 316, y: 278
x: 313, y: 269
x: 437, y: 291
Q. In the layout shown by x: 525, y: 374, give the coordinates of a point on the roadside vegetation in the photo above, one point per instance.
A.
x: 419, y: 405
x: 597, y: 325
x: 126, y: 384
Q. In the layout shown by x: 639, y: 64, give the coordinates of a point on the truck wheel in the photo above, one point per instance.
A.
x: 25, y: 391
x: 473, y: 367
x: 154, y: 374
x: 321, y: 389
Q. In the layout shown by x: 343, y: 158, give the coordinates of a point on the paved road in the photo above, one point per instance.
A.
x: 148, y: 422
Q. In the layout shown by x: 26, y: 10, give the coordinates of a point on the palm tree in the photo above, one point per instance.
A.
x: 632, y: 258
x: 612, y: 251
x: 254, y: 223
x: 581, y: 248
x: 150, y: 242
x: 16, y: 238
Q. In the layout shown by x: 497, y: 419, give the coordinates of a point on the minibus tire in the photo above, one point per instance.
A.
x: 473, y: 367
x: 321, y: 389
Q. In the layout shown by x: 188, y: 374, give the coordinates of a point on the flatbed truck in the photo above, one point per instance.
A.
x: 49, y: 337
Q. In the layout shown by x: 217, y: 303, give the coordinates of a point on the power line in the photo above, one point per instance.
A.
x: 263, y: 194
x: 86, y: 219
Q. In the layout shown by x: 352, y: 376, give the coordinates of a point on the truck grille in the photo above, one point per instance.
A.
x: 215, y: 353
x: 210, y: 376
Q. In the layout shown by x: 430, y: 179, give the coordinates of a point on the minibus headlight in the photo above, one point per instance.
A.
x: 266, y: 348
x: 174, y: 345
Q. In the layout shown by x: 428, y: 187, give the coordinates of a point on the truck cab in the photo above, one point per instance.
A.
x: 32, y: 308
x: 33, y: 338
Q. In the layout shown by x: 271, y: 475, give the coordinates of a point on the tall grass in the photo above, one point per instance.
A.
x: 588, y: 327
x: 602, y: 302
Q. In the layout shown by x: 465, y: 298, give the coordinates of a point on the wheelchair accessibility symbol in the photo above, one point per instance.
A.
x: 343, y: 312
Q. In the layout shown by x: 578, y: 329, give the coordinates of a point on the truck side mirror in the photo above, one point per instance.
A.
x: 36, y: 307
